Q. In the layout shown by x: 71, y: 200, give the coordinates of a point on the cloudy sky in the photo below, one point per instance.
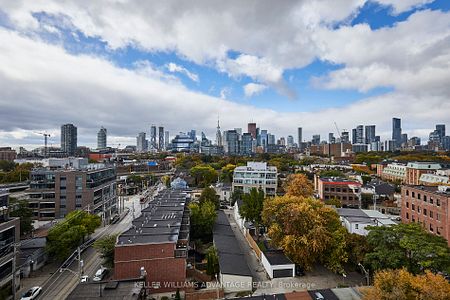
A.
x: 126, y: 64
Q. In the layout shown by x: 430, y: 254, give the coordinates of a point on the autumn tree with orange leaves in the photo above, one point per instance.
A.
x: 306, y: 230
x: 298, y: 185
x: 402, y: 285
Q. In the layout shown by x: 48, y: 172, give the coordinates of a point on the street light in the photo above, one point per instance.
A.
x: 366, y: 272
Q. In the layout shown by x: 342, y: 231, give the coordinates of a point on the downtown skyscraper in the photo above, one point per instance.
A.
x: 69, y: 138
x: 397, y: 132
x: 101, y: 138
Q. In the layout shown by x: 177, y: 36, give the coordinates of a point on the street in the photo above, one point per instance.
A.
x: 60, y: 284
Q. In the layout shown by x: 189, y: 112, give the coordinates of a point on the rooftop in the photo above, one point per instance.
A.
x: 338, y: 180
x: 161, y: 222
x: 438, y: 190
x: 277, y: 257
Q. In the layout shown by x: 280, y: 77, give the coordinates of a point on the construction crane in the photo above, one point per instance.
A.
x: 338, y: 131
x: 46, y: 136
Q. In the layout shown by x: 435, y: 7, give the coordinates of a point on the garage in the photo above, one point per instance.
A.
x: 277, y: 265
x: 282, y: 273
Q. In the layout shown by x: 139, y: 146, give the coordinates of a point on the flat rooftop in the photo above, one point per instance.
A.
x: 338, y: 180
x: 161, y: 222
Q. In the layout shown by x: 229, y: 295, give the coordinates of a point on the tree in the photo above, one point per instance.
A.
x: 402, y: 285
x: 212, y: 261
x: 334, y: 201
x: 166, y: 180
x: 306, y: 230
x: 203, y: 217
x: 226, y: 174
x: 106, y: 246
x: 209, y: 194
x: 357, y: 248
x: 407, y: 245
x: 252, y: 206
x: 204, y: 175
x: 22, y: 211
x: 6, y: 165
x: 298, y: 185
x: 235, y: 196
x: 331, y: 173
x: 66, y: 236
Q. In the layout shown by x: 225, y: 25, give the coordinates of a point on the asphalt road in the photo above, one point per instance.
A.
x: 61, y: 283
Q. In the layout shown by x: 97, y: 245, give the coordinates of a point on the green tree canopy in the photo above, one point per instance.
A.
x: 226, y: 174
x: 106, y: 246
x: 66, y: 236
x: 212, y: 261
x: 209, y: 194
x: 407, y: 245
x: 22, y: 211
x: 203, y: 217
x: 204, y: 175
x: 252, y: 206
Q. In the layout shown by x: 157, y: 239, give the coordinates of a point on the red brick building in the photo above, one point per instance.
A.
x: 157, y: 241
x: 428, y: 205
x: 347, y: 191
x: 6, y: 153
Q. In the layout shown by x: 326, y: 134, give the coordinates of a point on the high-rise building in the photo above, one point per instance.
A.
x: 166, y: 139
x: 264, y: 139
x: 290, y: 141
x: 404, y: 139
x: 101, y: 138
x: 141, y: 142
x: 247, y: 144
x: 354, y: 134
x: 316, y: 139
x: 360, y: 134
x: 252, y: 129
x: 446, y: 142
x: 153, y: 144
x: 69, y: 139
x: 231, y: 145
x: 161, y: 144
x: 193, y: 134
x: 218, y: 135
x: 299, y: 138
x: 370, y: 134
x: 331, y: 138
x: 270, y: 139
x: 397, y: 131
x: 345, y: 137
x: 440, y: 129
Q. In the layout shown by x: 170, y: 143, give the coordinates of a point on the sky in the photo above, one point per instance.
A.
x: 126, y: 65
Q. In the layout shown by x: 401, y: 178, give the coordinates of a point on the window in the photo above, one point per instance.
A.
x: 418, y: 196
x: 356, y: 226
x: 431, y: 228
x: 431, y: 200
x: 438, y: 216
x: 407, y: 193
x: 418, y: 209
x: 431, y: 214
x: 413, y: 194
x: 425, y: 211
x: 424, y: 198
x: 407, y: 216
x: 438, y: 202
x: 413, y: 207
x: 412, y: 219
x: 407, y: 204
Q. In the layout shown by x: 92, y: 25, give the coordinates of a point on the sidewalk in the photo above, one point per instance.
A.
x: 37, y: 278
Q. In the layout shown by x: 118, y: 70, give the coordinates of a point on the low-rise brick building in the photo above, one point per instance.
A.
x: 347, y: 191
x: 428, y: 205
x: 156, y: 242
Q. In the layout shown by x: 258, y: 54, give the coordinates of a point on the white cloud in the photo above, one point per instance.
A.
x: 251, y: 89
x: 400, y: 6
x: 172, y: 67
x: 42, y: 87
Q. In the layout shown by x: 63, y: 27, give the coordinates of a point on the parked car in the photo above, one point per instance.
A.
x: 84, y: 279
x: 32, y: 293
x: 299, y: 271
x: 319, y: 296
x: 100, y: 274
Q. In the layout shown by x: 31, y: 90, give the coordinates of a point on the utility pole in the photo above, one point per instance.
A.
x: 15, y: 245
x: 80, y: 263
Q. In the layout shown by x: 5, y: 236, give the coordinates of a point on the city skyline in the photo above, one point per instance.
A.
x: 360, y: 64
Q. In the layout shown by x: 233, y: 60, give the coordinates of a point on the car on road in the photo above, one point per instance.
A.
x: 32, y: 293
x: 100, y: 274
x: 84, y: 279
